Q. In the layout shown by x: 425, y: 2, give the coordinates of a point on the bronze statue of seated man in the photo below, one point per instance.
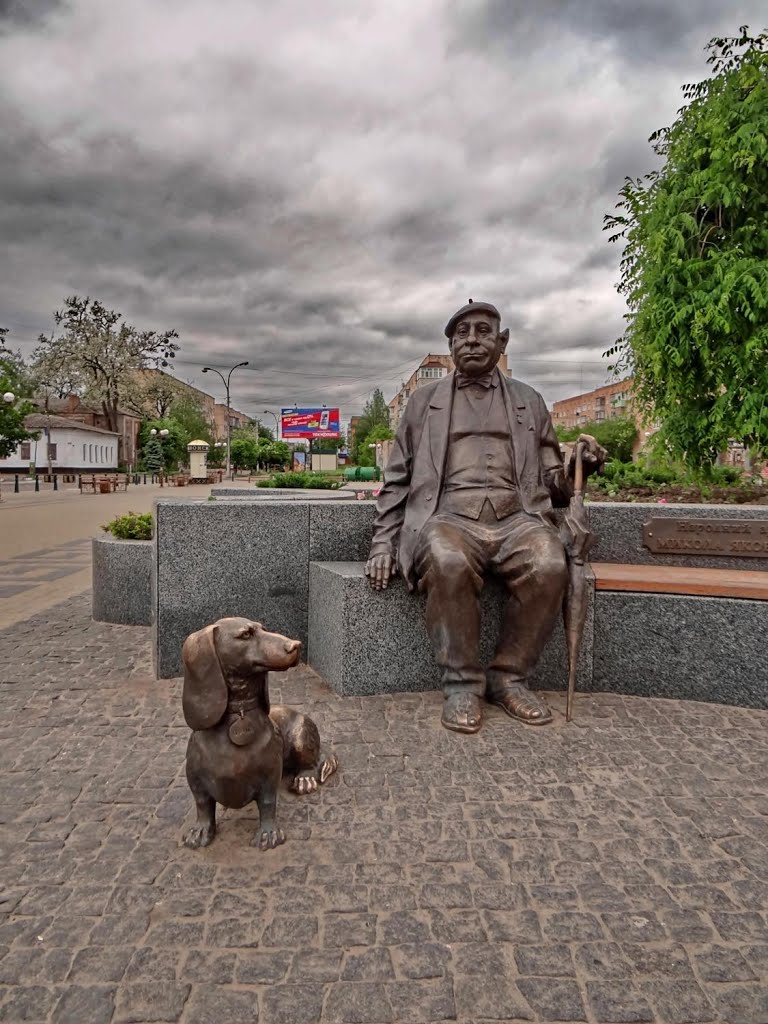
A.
x: 474, y: 473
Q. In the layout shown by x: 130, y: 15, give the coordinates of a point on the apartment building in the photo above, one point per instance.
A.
x: 603, y: 403
x: 237, y: 420
x: 432, y: 367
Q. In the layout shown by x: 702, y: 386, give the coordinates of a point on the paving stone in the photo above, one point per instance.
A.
x: 94, y: 1004
x: 370, y: 965
x: 257, y: 968
x: 421, y: 960
x: 364, y: 1003
x: 491, y: 998
x: 613, y: 1003
x: 23, y: 1003
x: 344, y: 930
x: 414, y: 1002
x: 207, y: 1005
x: 149, y: 1001
x: 680, y: 1001
x: 723, y: 964
x: 553, y: 999
x: 100, y: 963
x: 742, y: 1004
x: 553, y: 961
x: 623, y: 861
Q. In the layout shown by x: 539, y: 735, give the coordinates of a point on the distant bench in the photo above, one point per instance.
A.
x: 103, y: 483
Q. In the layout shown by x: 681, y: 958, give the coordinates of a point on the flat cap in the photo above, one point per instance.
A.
x: 471, y: 307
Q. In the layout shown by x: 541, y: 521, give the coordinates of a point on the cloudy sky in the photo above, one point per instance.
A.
x: 316, y: 185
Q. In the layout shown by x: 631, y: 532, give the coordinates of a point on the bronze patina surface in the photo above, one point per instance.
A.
x: 474, y: 473
x: 240, y: 747
x: 739, y: 538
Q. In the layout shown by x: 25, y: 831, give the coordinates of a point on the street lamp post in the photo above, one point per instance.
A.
x: 162, y: 434
x: 9, y: 398
x: 277, y: 423
x: 225, y: 382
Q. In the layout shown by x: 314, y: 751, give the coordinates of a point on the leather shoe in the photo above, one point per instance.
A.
x: 520, y: 703
x: 462, y: 712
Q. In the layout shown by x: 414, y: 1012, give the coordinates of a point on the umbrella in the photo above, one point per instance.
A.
x: 578, y: 539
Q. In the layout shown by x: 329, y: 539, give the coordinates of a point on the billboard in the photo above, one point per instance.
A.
x: 312, y: 423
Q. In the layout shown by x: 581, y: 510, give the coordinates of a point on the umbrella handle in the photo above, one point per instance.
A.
x: 578, y: 476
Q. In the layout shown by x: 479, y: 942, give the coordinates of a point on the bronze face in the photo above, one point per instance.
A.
x: 477, y: 343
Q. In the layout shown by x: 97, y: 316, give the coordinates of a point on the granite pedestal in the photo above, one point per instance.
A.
x: 681, y: 647
x: 244, y: 556
x: 363, y: 641
x: 122, y: 581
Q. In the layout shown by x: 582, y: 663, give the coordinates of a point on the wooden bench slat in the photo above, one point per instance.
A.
x: 672, y: 579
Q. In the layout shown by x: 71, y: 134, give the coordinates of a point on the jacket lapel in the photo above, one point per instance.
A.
x: 439, y: 423
x: 518, y: 415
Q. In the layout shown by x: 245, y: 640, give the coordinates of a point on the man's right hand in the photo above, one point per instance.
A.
x: 379, y: 569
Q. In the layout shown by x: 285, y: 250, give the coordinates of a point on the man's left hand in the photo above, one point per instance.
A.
x: 593, y: 456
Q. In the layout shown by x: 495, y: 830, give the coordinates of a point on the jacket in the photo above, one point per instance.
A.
x: 414, y: 475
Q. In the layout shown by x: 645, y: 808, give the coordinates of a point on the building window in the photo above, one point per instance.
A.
x: 90, y: 453
x: 85, y: 452
x: 52, y: 450
x: 26, y: 450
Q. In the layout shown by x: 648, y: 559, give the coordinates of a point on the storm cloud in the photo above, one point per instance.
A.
x: 316, y: 187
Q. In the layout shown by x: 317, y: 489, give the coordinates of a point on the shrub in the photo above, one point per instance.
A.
x: 300, y: 480
x: 132, y: 526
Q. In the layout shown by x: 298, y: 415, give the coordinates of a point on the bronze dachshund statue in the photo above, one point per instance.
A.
x: 240, y: 748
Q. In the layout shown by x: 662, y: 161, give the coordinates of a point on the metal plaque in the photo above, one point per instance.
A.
x: 731, y: 538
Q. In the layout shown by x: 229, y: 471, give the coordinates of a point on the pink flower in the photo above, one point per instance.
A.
x: 360, y: 495
x: 376, y: 493
x: 661, y: 501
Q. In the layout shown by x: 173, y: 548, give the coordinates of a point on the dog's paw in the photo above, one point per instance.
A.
x: 268, y: 840
x: 304, y: 783
x: 199, y: 835
x: 328, y: 767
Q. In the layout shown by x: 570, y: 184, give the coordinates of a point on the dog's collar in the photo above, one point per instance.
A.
x: 240, y: 707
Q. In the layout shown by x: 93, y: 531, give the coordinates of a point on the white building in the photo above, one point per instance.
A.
x: 72, y: 447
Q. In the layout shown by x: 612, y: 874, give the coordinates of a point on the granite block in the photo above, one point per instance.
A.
x: 341, y: 532
x: 122, y: 581
x: 283, y: 493
x: 363, y: 641
x: 690, y: 648
x: 618, y: 527
x: 215, y: 559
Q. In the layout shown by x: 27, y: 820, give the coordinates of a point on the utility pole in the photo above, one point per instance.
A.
x: 225, y: 382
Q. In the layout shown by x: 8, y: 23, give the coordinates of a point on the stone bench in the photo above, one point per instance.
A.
x: 651, y: 630
x: 363, y: 641
x: 253, y: 556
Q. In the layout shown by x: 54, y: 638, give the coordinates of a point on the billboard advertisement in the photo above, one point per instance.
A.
x: 297, y: 424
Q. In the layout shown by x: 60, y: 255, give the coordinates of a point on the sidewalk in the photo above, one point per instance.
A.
x: 613, y: 870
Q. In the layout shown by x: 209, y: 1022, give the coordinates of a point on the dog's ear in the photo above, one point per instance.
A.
x: 204, y: 697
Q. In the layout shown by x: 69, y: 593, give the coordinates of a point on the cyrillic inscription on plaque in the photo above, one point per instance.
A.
x: 739, y: 538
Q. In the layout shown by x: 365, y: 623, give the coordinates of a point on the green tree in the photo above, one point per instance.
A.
x: 13, y: 380
x: 695, y: 264
x: 367, y: 456
x: 617, y: 435
x: 98, y: 355
x: 152, y: 455
x: 173, y: 446
x: 244, y: 452
x: 375, y: 414
x: 189, y: 412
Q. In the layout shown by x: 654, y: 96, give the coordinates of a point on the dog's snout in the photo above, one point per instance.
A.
x: 292, y: 645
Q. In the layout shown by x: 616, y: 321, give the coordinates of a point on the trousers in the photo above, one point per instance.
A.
x: 452, y: 555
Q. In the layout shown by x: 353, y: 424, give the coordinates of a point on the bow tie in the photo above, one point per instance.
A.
x: 484, y: 380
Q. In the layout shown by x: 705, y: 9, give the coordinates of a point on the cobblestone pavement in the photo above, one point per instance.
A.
x: 21, y: 573
x: 614, y: 870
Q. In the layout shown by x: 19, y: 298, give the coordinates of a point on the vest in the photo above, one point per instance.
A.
x: 480, y: 463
